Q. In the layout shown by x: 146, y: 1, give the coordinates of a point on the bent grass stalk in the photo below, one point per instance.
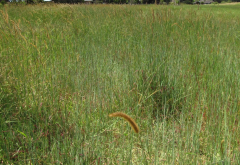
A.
x: 130, y: 120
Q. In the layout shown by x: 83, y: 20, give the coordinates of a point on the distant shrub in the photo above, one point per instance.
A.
x: 3, y: 2
x: 188, y: 2
x: 29, y: 1
x: 215, y: 3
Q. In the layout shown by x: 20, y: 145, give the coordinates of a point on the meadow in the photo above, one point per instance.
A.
x: 174, y: 69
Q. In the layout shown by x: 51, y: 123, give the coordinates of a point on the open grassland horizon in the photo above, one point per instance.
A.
x: 173, y: 69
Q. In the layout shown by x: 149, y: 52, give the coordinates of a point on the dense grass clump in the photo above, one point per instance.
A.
x: 174, y: 69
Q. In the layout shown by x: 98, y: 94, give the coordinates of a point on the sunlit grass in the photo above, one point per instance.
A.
x: 65, y: 68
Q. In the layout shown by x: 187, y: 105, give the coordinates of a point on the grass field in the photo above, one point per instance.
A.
x: 174, y: 69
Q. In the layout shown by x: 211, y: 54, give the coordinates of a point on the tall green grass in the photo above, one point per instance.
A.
x: 174, y: 69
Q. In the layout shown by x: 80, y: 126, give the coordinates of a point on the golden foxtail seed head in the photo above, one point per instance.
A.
x: 128, y: 118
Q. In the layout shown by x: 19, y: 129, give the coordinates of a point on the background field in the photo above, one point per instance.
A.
x: 174, y: 69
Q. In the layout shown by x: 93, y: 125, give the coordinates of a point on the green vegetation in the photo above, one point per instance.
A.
x: 174, y: 69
